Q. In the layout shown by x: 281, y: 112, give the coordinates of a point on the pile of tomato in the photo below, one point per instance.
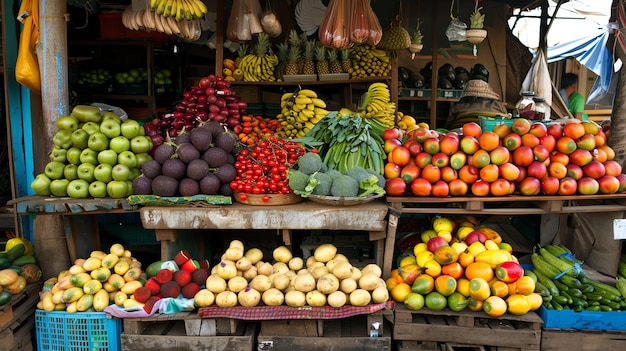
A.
x: 252, y: 128
x: 262, y: 168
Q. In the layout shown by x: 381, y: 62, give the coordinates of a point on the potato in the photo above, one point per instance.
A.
x: 250, y: 273
x: 261, y: 283
x: 315, y: 265
x: 233, y: 253
x: 296, y: 263
x: 342, y: 269
x: 273, y: 297
x: 226, y: 269
x: 280, y: 281
x: 280, y: 267
x: 236, y: 244
x: 216, y: 284
x: 315, y: 298
x: 236, y: 284
x: 356, y: 274
x: 309, y: 261
x: 348, y: 285
x: 203, y: 298
x: 243, y: 264
x: 304, y: 283
x: 319, y: 271
x: 295, y: 298
x: 226, y: 299
x: 360, y: 297
x: 341, y: 257
x: 282, y: 254
x: 328, y: 283
x: 264, y: 268
x: 380, y: 294
x: 336, y: 299
x: 325, y: 252
x: 255, y: 255
x: 368, y: 281
x: 249, y: 297
x: 372, y: 268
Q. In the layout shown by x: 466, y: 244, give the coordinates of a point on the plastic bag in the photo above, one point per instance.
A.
x: 359, y: 26
x: 456, y: 30
x: 27, y: 66
x: 254, y: 14
x: 238, y: 28
x: 270, y: 23
x: 335, y: 29
x: 375, y: 30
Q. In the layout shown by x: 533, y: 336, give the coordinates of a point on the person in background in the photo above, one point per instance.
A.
x: 574, y: 101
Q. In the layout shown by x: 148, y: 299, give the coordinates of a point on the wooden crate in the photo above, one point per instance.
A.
x: 187, y: 331
x: 17, y: 320
x: 19, y: 337
x: 593, y: 340
x: 346, y: 334
x: 433, y: 328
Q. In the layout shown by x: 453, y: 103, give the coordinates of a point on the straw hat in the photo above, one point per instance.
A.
x: 479, y: 88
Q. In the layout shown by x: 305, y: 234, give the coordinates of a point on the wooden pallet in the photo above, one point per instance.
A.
x: 20, y: 307
x: 19, y: 336
x: 346, y: 334
x: 186, y: 331
x: 594, y: 340
x: 430, y: 329
x: 66, y: 205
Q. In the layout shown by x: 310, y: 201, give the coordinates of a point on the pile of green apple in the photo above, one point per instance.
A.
x: 95, y: 154
x: 132, y: 76
x: 95, y: 76
x: 163, y: 77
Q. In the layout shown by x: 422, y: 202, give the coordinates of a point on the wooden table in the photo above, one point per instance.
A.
x: 307, y: 215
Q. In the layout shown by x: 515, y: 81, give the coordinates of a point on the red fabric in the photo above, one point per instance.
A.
x: 287, y: 312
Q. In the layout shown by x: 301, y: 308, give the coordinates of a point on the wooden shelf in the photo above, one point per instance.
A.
x: 316, y: 82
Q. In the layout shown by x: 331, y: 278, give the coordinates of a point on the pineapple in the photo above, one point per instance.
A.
x: 309, y: 66
x: 283, y: 50
x: 241, y: 52
x: 335, y: 66
x: 292, y: 60
x: 303, y: 43
x: 320, y: 57
x: 346, y: 63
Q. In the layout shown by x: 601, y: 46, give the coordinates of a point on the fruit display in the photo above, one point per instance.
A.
x: 198, y: 162
x: 244, y: 278
x: 210, y: 100
x: 522, y: 157
x: 377, y: 104
x: 368, y: 61
x: 300, y: 111
x: 137, y: 75
x: 563, y: 284
x: 18, y: 268
x: 95, y: 76
x: 260, y: 65
x: 311, y: 176
x: 347, y: 140
x: 171, y: 17
x: 94, y: 155
x: 460, y: 264
x: 95, y: 282
x: 180, y: 9
x: 262, y: 167
x: 163, y: 77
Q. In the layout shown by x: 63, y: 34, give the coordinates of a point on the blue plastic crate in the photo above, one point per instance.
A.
x: 81, y: 331
x: 583, y: 320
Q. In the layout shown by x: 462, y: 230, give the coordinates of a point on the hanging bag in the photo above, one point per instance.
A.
x: 27, y: 67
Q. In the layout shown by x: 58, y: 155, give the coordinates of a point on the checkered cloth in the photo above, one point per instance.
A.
x: 259, y: 313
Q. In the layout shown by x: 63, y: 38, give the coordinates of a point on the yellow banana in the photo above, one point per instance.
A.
x: 310, y: 107
x: 299, y: 107
x: 286, y: 96
x: 308, y: 93
x: 173, y: 8
x: 309, y: 125
x: 201, y: 6
x: 318, y: 102
x: 307, y: 113
x: 320, y: 112
x: 154, y: 4
x: 303, y: 100
x: 377, y: 85
x: 180, y: 10
x: 300, y: 117
x: 161, y: 8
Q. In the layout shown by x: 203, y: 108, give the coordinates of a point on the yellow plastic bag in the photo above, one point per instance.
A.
x: 27, y: 67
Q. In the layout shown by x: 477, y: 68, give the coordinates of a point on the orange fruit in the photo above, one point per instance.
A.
x: 495, y: 306
x: 535, y: 300
x: 462, y: 286
x: 479, y: 270
x: 445, y: 285
x: 499, y: 288
x: 574, y: 130
x: 530, y: 140
x: 465, y: 259
x: 488, y: 140
x: 489, y: 173
x: 400, y: 292
x: 518, y: 304
x: 390, y: 283
x: 524, y: 285
x: 479, y: 289
x: 454, y: 269
x: 480, y: 158
x: 423, y: 284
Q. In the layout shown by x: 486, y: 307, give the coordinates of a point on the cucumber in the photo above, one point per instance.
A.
x: 557, y: 250
x: 548, y: 283
x: 15, y: 252
x: 586, y: 288
x: 560, y: 285
x: 543, y: 267
x: 531, y: 274
x: 575, y: 292
x: 620, y: 284
x: 560, y: 299
x: 569, y: 298
x: 557, y: 263
x: 605, y: 308
x: 604, y: 287
x: 621, y: 268
x: 26, y: 259
x: 541, y: 289
x: 570, y: 281
x: 594, y: 308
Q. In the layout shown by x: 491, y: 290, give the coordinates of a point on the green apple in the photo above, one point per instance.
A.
x: 134, y: 173
x: 110, y: 128
x: 127, y: 158
x: 73, y: 155
x: 62, y: 139
x: 58, y: 154
x: 70, y: 171
x: 54, y: 169
x: 111, y: 115
x: 67, y: 123
x: 98, y: 141
x: 107, y: 156
x: 131, y: 128
x: 98, y: 189
x: 41, y: 185
x: 88, y: 156
x: 120, y: 172
x: 119, y: 144
x: 129, y: 188
x: 86, y: 172
x: 78, y: 189
x: 117, y: 189
x: 103, y: 172
x: 79, y: 138
x: 140, y: 144
x: 91, y: 127
x: 58, y: 187
x: 142, y: 158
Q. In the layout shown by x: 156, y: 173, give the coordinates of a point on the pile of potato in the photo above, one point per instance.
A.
x: 244, y: 278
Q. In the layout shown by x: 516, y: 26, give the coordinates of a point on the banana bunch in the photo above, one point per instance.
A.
x: 348, y: 141
x: 377, y: 104
x: 180, y: 9
x: 149, y: 21
x: 367, y: 61
x: 300, y: 112
x: 258, y: 68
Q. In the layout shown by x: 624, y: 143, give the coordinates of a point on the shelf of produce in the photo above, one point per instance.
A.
x: 316, y: 82
x: 307, y: 215
x: 427, y: 329
x: 493, y: 205
x: 79, y: 217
